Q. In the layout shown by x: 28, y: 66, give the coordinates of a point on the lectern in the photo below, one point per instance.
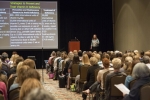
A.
x: 74, y: 45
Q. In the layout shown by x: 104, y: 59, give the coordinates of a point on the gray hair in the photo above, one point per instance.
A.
x: 39, y: 94
x: 140, y: 70
x: 116, y: 63
x: 146, y: 59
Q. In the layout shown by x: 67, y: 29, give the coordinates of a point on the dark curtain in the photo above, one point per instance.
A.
x: 80, y: 19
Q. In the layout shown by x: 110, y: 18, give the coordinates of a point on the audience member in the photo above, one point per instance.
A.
x: 129, y: 78
x: 90, y: 75
x: 5, y: 66
x: 30, y: 63
x: 116, y: 65
x: 3, y: 89
x: 99, y: 84
x: 146, y: 60
x: 39, y: 94
x: 28, y: 85
x: 140, y: 72
x: 15, y: 63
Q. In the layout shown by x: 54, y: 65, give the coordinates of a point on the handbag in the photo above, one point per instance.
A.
x: 51, y: 75
x: 73, y: 87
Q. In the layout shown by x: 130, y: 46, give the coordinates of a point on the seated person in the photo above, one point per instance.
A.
x: 129, y: 78
x: 140, y: 72
x: 23, y: 73
x: 100, y: 79
x: 116, y: 65
x: 39, y: 94
x: 90, y: 75
x: 26, y: 87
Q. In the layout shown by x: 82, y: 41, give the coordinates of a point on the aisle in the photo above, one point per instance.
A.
x: 59, y: 93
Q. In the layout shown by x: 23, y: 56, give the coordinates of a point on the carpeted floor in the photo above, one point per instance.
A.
x: 59, y: 93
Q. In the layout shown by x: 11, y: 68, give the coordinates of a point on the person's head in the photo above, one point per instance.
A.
x: 80, y: 53
x: 21, y: 73
x: 85, y: 59
x: 32, y: 73
x: 28, y: 85
x: 0, y: 64
x: 39, y: 94
x: 97, y: 56
x: 14, y: 52
x: 30, y: 63
x: 75, y: 52
x: 93, y: 61
x: 130, y: 68
x: 94, y: 36
x: 116, y: 63
x: 18, y: 60
x: 76, y: 59
x: 64, y: 55
x: 19, y: 66
x: 140, y: 70
x: 147, y: 53
x: 105, y: 56
x: 106, y: 62
x: 146, y: 59
x: 4, y: 56
x: 53, y: 54
x: 128, y: 60
x: 58, y: 53
x: 13, y: 57
x: 70, y: 55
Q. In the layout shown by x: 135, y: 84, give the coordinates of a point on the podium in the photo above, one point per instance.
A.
x: 73, y: 45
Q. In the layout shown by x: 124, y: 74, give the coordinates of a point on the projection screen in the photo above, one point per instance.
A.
x: 28, y: 25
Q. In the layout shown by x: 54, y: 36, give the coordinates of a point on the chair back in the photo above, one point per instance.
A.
x: 1, y: 97
x: 11, y: 81
x: 117, y: 79
x: 96, y: 72
x: 83, y: 72
x: 75, y: 70
x: 63, y: 65
x: 144, y: 92
x: 14, y: 94
x: 132, y: 83
x: 104, y: 78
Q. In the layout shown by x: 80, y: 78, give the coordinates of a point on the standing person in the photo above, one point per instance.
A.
x: 95, y: 43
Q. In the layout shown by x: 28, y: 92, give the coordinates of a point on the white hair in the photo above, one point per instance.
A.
x: 116, y: 63
x: 140, y: 70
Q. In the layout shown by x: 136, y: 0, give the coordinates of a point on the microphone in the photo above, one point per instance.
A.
x: 76, y: 39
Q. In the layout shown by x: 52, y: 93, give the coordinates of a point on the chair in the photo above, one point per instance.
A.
x: 14, y: 94
x: 11, y: 81
x: 63, y: 65
x: 1, y: 97
x: 144, y: 92
x: 132, y: 83
x: 96, y: 72
x: 74, y: 71
x: 83, y: 75
x: 114, y: 92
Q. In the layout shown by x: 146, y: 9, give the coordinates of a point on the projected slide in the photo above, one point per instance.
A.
x: 28, y: 25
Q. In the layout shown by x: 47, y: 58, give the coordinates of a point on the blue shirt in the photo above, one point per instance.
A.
x: 128, y: 80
